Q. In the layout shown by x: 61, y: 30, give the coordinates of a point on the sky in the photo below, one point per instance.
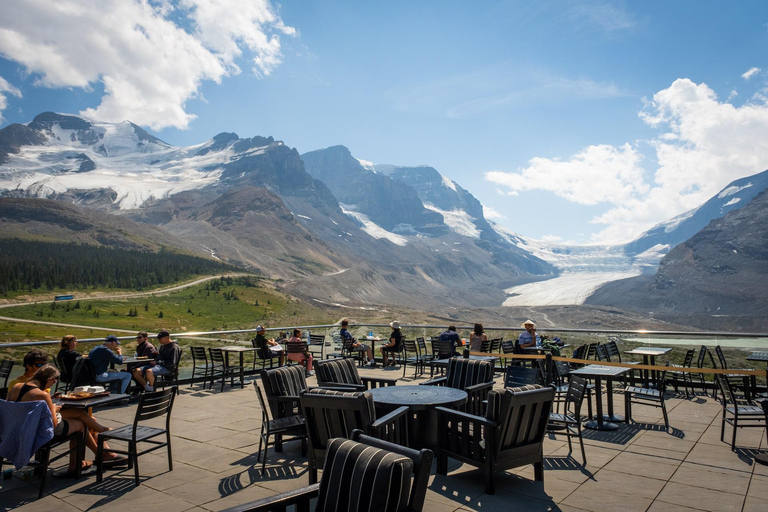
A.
x: 577, y: 122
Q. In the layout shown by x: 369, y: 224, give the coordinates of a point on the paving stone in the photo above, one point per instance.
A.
x: 708, y: 477
x: 610, y: 502
x: 704, y: 499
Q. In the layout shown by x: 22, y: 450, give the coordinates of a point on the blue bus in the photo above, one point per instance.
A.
x: 63, y: 297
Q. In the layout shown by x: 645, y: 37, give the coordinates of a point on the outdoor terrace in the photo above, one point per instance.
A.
x: 638, y: 467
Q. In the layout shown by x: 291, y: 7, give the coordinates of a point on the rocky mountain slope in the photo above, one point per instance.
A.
x: 717, y: 273
x: 660, y: 239
x: 250, y: 201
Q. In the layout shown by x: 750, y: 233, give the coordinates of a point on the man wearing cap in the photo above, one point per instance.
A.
x: 449, y: 336
x: 395, y: 344
x: 268, y: 346
x: 166, y: 362
x: 527, y: 338
x: 100, y: 358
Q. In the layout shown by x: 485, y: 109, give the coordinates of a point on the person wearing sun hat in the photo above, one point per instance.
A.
x: 394, y: 345
x: 527, y: 338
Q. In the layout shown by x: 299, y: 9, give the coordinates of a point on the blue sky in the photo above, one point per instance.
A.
x: 578, y: 121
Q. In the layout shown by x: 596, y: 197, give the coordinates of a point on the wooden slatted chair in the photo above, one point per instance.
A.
x: 343, y: 374
x: 473, y: 376
x: 330, y: 413
x: 510, y: 434
x: 362, y: 474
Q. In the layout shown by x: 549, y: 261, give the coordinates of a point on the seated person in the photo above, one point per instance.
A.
x: 144, y: 348
x: 355, y: 346
x: 33, y: 361
x: 303, y: 357
x: 166, y: 362
x: 268, y: 347
x: 477, y: 338
x: 65, y: 421
x: 395, y: 344
x: 527, y: 338
x: 101, y: 356
x: 450, y: 335
x: 68, y: 355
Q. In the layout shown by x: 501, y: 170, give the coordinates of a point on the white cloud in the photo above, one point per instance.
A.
x: 595, y: 175
x: 6, y: 88
x: 750, y: 73
x: 492, y: 214
x: 551, y: 238
x: 149, y: 57
x: 703, y: 145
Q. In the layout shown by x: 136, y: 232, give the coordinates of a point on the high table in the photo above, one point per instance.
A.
x: 598, y: 372
x: 238, y: 350
x: 649, y: 354
x: 421, y: 402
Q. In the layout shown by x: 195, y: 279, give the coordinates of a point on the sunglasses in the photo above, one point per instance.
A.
x: 40, y: 365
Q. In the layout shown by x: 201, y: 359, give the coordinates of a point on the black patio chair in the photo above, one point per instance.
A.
x: 471, y: 375
x: 510, y: 434
x: 683, y: 376
x: 569, y: 422
x: 200, y: 365
x: 425, y: 355
x: 382, y: 469
x: 748, y: 381
x: 516, y: 376
x: 330, y: 413
x: 652, y: 396
x: 592, y: 351
x: 5, y: 372
x: 263, y: 356
x: 316, y: 341
x: 738, y: 416
x: 287, y: 426
x: 412, y: 356
x: 73, y: 442
x: 64, y: 375
x: 151, y: 405
x: 700, y: 364
x: 282, y: 387
x: 220, y: 367
x: 343, y: 374
x: 440, y: 350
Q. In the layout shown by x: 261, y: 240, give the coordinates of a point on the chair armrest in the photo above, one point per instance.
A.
x: 283, y: 399
x: 379, y: 382
x: 392, y: 427
x: 477, y: 387
x: 341, y: 387
x: 463, y: 416
x: 280, y: 501
x: 440, y: 381
x: 390, y: 417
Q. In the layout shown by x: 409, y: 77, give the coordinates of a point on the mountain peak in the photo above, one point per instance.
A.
x: 46, y: 120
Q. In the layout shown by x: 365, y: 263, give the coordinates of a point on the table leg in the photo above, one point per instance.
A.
x: 599, y: 424
x: 611, y: 417
x: 242, y: 371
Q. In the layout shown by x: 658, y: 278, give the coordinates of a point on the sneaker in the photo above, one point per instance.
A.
x: 309, y: 374
x: 371, y: 364
x: 148, y: 388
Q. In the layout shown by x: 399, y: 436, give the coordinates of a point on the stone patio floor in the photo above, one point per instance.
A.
x: 639, y: 467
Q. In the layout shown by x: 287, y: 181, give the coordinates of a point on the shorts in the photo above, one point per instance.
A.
x: 359, y: 348
x: 157, y: 370
x: 62, y: 430
x: 390, y: 349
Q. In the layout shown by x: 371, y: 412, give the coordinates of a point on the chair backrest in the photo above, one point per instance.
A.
x: 317, y: 339
x: 496, y: 344
x: 485, y: 346
x: 217, y: 356
x: 422, y: 345
x: 522, y: 416
x: 347, y: 345
x: 82, y: 373
x: 18, y: 420
x: 725, y: 387
x: 688, y: 360
x: 284, y: 381
x: 601, y: 353
x: 410, y: 347
x: 516, y: 376
x: 592, y: 350
x: 359, y: 477
x: 329, y: 414
x: 468, y: 372
x: 265, y: 412
x: 702, y: 355
x: 575, y: 395
x: 295, y: 348
x: 712, y: 359
x: 721, y: 357
x: 199, y: 354
x: 422, y: 464
x: 508, y: 346
x: 612, y: 350
x: 153, y: 405
x: 5, y: 371
x: 580, y: 352
x: 337, y: 371
x: 442, y: 348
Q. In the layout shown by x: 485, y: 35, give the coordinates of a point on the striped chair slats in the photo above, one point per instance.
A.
x: 363, y: 478
x: 468, y: 372
x: 287, y: 380
x: 337, y: 371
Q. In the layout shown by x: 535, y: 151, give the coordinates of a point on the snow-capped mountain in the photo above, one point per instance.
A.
x: 659, y: 240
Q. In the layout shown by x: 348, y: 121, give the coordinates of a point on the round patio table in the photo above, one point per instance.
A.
x: 421, y: 402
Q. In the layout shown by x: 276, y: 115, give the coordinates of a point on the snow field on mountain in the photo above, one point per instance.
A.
x: 569, y: 289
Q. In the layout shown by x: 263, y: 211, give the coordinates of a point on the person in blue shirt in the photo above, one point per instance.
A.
x: 451, y: 336
x: 355, y: 346
x: 101, y: 356
x: 527, y: 338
